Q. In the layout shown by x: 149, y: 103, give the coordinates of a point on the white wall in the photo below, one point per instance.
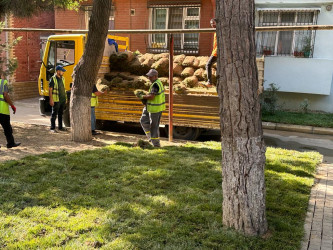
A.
x: 300, y: 78
x: 299, y: 75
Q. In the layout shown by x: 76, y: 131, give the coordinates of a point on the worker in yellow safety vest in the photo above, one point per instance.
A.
x: 152, y: 111
x: 57, y: 94
x: 94, y: 103
x: 212, y: 58
x: 5, y: 101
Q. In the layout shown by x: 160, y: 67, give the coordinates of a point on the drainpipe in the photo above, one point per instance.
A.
x: 7, y: 40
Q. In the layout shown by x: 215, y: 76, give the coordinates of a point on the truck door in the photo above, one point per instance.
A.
x: 65, y: 56
x: 57, y: 53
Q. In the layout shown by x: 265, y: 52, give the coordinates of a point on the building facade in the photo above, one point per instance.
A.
x: 300, y: 63
x: 152, y: 14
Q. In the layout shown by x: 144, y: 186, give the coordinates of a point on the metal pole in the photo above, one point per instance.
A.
x: 171, y: 43
x: 171, y: 31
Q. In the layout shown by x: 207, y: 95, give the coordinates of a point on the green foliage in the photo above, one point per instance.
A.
x: 268, y: 99
x: 307, y: 48
x: 26, y: 8
x: 7, y: 65
x: 304, y: 106
x: 124, y: 197
x: 297, y: 118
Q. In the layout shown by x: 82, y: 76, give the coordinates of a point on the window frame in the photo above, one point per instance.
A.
x: 294, y: 33
x: 185, y: 18
x: 87, y: 13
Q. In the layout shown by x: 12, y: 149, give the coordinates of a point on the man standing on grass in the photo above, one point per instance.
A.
x: 5, y: 101
x: 57, y: 94
x: 152, y: 111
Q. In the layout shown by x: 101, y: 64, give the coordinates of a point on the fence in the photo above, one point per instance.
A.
x: 279, y: 40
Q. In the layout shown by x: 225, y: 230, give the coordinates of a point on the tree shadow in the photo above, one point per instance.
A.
x: 160, y: 198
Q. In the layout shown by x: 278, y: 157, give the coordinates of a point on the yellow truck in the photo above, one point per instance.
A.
x: 194, y: 112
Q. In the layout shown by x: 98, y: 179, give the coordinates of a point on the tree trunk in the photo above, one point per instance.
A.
x: 85, y: 72
x: 243, y: 149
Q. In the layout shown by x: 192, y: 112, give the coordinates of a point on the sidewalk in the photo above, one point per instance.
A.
x: 319, y: 220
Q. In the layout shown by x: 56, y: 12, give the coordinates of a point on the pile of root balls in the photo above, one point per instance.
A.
x: 128, y: 70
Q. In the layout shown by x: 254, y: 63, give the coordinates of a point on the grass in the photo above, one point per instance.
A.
x: 309, y: 119
x: 123, y: 197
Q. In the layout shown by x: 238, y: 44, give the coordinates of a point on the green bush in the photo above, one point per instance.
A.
x: 269, y: 99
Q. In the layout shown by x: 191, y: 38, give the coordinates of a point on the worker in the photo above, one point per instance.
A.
x: 94, y: 103
x: 213, y: 57
x: 57, y: 94
x: 5, y: 101
x: 152, y: 111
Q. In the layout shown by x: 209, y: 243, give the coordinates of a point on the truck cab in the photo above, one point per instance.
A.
x: 65, y: 50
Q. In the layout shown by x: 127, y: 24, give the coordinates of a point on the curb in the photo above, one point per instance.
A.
x: 297, y: 128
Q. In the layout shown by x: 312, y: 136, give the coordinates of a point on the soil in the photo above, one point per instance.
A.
x: 37, y: 139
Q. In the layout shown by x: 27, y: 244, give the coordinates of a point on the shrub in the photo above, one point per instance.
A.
x: 304, y: 106
x: 269, y: 99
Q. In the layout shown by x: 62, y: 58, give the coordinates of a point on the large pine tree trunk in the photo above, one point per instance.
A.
x: 243, y: 149
x: 85, y: 72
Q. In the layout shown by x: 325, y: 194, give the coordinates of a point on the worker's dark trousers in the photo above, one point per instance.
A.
x: 150, y: 123
x: 5, y: 123
x: 57, y: 110
x: 211, y: 61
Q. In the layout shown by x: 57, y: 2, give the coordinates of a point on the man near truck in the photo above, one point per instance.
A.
x: 5, y: 101
x: 57, y: 94
x: 94, y: 103
x: 212, y: 58
x: 152, y: 111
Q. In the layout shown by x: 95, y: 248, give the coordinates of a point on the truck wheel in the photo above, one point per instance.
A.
x: 66, y: 117
x: 184, y: 133
x: 42, y: 106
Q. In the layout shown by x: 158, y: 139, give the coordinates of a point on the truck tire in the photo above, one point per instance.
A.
x: 66, y: 117
x: 100, y: 124
x: 184, y: 133
x: 44, y: 106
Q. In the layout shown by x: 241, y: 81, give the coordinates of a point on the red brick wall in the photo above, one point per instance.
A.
x: 28, y: 49
x: 206, y: 39
x: 69, y: 19
x: 123, y: 20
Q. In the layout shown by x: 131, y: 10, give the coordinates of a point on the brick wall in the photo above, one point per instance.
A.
x: 69, y: 19
x: 24, y: 90
x: 65, y: 19
x: 27, y: 51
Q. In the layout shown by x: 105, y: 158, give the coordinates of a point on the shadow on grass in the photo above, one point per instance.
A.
x: 165, y: 198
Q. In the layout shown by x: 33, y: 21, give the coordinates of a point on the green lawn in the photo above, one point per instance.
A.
x: 123, y: 197
x: 310, y: 119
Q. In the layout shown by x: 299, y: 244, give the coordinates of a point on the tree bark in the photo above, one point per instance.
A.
x: 85, y: 72
x: 243, y: 149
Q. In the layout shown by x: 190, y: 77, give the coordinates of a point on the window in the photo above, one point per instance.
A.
x: 175, y: 17
x: 65, y: 53
x: 60, y: 53
x: 289, y: 43
x: 88, y: 10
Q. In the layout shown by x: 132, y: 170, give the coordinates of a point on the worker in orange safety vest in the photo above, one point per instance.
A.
x: 213, y: 57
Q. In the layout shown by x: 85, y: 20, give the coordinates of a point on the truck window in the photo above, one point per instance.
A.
x: 50, y: 61
x: 65, y: 53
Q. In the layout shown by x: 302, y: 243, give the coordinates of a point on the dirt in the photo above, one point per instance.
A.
x: 37, y: 139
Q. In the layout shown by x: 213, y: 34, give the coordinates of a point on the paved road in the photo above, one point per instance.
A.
x: 28, y: 112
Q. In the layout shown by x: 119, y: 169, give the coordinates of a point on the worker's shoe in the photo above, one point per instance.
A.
x: 94, y: 132
x: 13, y: 145
x: 53, y: 131
x: 62, y: 129
x: 209, y: 85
